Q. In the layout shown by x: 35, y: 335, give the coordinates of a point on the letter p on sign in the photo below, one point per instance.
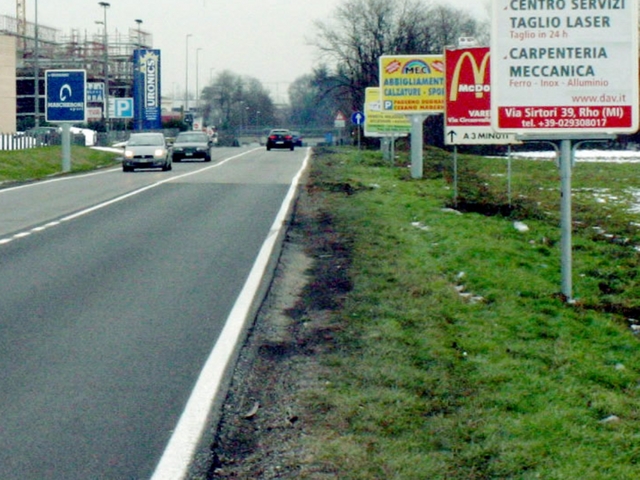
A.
x: 121, y: 108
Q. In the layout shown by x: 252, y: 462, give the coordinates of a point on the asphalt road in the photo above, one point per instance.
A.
x: 113, y: 290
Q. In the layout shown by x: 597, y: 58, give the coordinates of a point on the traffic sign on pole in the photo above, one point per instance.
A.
x: 357, y: 118
x: 65, y: 96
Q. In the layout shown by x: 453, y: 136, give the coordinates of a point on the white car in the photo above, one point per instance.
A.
x: 146, y: 150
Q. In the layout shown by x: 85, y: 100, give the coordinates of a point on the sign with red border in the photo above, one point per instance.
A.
x: 567, y: 66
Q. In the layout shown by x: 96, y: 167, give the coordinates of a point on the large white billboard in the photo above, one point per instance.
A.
x: 565, y: 66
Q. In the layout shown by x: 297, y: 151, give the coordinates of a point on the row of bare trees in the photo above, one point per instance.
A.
x: 361, y: 31
x: 350, y: 44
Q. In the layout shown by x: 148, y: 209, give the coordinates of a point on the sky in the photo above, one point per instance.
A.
x: 265, y: 39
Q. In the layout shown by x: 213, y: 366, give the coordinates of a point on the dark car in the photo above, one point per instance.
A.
x: 146, y: 150
x: 280, y: 138
x: 45, y: 135
x: 190, y: 145
x: 297, y: 139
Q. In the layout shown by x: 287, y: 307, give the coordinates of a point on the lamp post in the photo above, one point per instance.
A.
x: 186, y: 81
x: 36, y: 73
x: 198, y: 79
x: 106, y: 5
x: 137, y: 76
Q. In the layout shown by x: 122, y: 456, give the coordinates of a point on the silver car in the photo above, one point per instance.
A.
x: 146, y: 150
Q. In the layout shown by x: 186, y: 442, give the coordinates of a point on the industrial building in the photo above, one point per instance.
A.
x: 27, y: 50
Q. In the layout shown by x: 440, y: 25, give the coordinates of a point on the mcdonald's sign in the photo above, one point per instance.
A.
x: 468, y: 86
x: 468, y: 99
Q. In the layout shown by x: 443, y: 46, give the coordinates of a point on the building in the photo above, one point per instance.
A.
x: 29, y: 58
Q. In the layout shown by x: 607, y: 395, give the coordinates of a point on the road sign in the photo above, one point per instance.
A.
x: 378, y: 123
x: 120, y: 107
x: 565, y: 67
x: 468, y: 99
x: 357, y: 118
x: 412, y: 84
x: 340, y: 120
x: 65, y: 96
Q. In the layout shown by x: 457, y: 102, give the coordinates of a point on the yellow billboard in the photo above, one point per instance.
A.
x: 412, y: 84
x: 379, y: 123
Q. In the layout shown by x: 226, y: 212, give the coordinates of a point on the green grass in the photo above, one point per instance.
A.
x: 38, y: 163
x: 426, y: 384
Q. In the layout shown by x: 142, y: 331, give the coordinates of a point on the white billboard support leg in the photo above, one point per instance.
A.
x: 417, y: 145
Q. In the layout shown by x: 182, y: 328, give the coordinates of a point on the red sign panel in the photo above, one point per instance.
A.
x: 468, y: 87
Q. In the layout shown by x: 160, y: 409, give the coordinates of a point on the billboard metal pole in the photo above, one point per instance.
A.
x: 566, y: 161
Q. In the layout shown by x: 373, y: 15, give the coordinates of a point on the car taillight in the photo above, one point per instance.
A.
x: 288, y: 137
x: 272, y: 137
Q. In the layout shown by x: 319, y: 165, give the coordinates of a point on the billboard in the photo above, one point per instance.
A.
x: 95, y: 92
x: 66, y: 99
x: 147, y: 93
x: 468, y: 98
x: 379, y: 123
x: 412, y: 84
x: 565, y: 66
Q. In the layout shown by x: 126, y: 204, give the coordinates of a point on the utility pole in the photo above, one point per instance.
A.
x: 106, y: 5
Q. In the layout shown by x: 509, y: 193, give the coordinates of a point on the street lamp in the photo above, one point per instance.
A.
x: 186, y: 81
x: 36, y: 73
x: 198, y: 79
x: 106, y: 5
x: 138, y: 77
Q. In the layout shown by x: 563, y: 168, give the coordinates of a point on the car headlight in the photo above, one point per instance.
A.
x: 159, y: 153
x: 128, y: 154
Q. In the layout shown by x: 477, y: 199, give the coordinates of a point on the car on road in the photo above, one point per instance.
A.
x: 280, y: 138
x: 190, y: 145
x: 297, y: 139
x: 146, y: 150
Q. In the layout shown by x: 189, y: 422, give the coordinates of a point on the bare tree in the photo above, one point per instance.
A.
x: 361, y: 31
x: 232, y: 101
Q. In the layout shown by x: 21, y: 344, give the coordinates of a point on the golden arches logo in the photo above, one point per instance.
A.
x: 479, y: 75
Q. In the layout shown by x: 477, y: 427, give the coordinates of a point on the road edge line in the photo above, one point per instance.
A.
x: 216, y: 373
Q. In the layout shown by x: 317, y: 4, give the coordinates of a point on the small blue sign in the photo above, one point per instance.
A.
x: 95, y: 92
x: 121, y: 107
x: 66, y: 96
x: 357, y: 118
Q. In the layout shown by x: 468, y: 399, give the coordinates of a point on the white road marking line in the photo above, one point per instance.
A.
x: 110, y: 202
x: 177, y: 457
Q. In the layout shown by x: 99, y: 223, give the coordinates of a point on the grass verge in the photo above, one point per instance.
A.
x: 457, y: 358
x: 38, y: 163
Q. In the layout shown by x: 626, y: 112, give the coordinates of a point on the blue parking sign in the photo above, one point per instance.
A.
x: 66, y: 96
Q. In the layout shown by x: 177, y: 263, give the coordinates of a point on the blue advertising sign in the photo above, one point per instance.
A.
x: 65, y: 96
x: 147, y: 93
